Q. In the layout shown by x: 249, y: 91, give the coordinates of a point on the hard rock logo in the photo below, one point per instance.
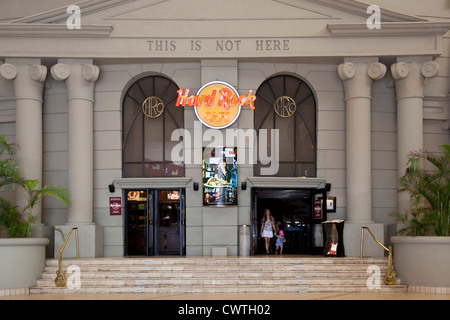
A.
x: 217, y: 104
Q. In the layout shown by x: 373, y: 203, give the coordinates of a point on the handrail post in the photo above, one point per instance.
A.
x: 60, y: 280
x: 390, y: 274
x: 362, y: 242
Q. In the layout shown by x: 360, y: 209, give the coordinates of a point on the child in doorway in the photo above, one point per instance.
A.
x: 280, y: 240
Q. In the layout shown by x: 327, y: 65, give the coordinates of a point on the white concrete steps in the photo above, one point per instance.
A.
x: 207, y: 274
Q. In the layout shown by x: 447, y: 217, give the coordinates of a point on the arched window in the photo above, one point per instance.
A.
x: 287, y: 103
x: 149, y: 118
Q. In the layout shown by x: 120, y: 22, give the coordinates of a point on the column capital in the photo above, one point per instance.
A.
x: 80, y: 78
x: 410, y: 77
x: 36, y: 72
x: 428, y: 69
x: 89, y: 72
x: 357, y: 77
x: 375, y: 70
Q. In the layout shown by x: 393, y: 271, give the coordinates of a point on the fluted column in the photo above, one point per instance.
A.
x: 29, y: 77
x: 357, y: 76
x: 80, y: 80
x: 410, y: 75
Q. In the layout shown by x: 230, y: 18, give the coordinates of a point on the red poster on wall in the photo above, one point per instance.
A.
x: 115, y: 206
x: 317, y: 209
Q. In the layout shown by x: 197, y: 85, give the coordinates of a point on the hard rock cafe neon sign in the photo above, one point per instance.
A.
x: 217, y: 104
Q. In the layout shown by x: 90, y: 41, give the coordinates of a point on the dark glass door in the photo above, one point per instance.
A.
x: 138, y: 222
x: 155, y: 222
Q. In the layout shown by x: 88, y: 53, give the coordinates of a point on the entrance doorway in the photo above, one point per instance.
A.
x: 154, y: 223
x: 299, y: 212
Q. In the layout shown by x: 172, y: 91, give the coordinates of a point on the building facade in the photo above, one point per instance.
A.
x: 105, y: 98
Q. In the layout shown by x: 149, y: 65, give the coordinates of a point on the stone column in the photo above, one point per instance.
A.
x: 80, y: 77
x: 410, y: 75
x: 357, y: 79
x: 29, y: 77
x: 357, y: 76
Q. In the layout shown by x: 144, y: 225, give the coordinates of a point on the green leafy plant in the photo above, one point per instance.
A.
x: 34, y: 194
x: 13, y: 219
x: 429, y: 193
x: 10, y: 217
x: 9, y: 170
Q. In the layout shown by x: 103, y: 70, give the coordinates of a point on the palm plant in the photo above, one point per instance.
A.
x: 11, y: 218
x: 34, y: 194
x: 430, y: 193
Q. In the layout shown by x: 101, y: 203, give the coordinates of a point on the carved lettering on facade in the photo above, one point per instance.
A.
x: 218, y: 45
x: 162, y: 45
x: 272, y: 45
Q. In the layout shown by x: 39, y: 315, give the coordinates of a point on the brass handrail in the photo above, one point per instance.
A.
x: 390, y: 274
x: 61, y: 280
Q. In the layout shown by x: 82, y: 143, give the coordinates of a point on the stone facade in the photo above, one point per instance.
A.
x: 379, y: 93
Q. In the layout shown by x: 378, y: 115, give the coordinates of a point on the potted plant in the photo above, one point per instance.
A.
x: 422, y: 254
x: 22, y: 258
x: 11, y: 223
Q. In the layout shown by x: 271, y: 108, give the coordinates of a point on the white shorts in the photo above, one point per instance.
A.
x: 267, y: 234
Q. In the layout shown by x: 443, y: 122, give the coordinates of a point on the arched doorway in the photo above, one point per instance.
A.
x: 287, y: 103
x: 155, y: 217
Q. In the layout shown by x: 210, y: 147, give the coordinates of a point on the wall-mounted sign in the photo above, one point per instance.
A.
x: 217, y: 104
x: 115, y: 206
x: 219, y: 170
x: 317, y: 209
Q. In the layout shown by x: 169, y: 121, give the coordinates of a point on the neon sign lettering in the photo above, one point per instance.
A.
x: 217, y: 104
x: 226, y: 99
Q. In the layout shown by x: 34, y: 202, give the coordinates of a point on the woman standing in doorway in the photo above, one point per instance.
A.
x: 267, y: 229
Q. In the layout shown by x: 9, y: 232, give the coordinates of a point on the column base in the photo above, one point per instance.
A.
x: 352, y: 239
x: 90, y: 240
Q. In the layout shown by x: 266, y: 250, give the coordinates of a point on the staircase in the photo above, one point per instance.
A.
x: 218, y: 275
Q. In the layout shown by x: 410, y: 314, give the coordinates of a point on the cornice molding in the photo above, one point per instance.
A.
x: 54, y: 31
x: 389, y: 28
